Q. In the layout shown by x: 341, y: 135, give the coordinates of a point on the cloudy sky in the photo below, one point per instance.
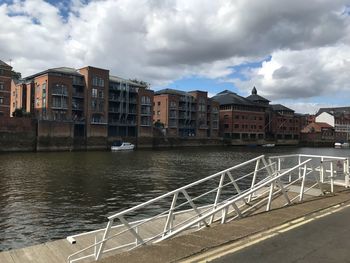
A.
x: 295, y: 52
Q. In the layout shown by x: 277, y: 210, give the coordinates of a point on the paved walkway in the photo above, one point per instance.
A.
x: 324, y: 239
x: 184, y: 248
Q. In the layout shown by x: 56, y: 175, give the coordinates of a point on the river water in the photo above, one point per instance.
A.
x: 48, y: 196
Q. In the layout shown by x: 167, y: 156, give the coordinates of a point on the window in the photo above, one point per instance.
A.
x: 173, y: 104
x: 1, y: 100
x: 146, y: 100
x: 98, y: 82
x: 158, y: 103
x: 101, y: 106
x: 93, y: 104
x: 58, y: 89
x: 236, y: 126
x: 100, y: 94
x: 236, y: 117
x: 94, y: 93
x: 158, y: 112
x: 225, y: 117
x: 226, y: 126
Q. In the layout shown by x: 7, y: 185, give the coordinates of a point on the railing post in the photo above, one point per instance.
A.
x: 299, y: 162
x: 322, y: 170
x: 332, y: 177
x: 105, y: 235
x: 272, y: 186
x: 301, y: 197
x: 254, y: 179
x: 169, y: 221
x: 217, y: 197
x: 346, y: 172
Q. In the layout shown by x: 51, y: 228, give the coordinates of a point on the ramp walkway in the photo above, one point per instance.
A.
x: 242, y: 191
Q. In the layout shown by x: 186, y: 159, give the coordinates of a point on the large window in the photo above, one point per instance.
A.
x: 58, y: 89
x: 146, y: 100
x: 98, y: 82
x: 1, y: 100
x: 94, y: 93
x: 2, y: 86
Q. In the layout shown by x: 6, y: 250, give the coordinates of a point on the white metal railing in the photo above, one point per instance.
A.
x: 330, y: 168
x: 224, y: 197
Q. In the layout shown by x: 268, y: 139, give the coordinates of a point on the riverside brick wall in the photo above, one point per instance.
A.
x: 17, y: 134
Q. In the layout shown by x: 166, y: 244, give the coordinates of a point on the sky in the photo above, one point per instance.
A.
x: 294, y: 52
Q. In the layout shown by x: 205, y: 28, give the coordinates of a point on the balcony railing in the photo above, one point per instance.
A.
x: 78, y: 95
x: 122, y: 122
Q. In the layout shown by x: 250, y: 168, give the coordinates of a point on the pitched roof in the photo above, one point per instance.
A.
x: 280, y: 107
x: 257, y: 98
x: 3, y: 64
x: 315, y: 127
x: 334, y: 110
x: 62, y: 70
x: 227, y: 97
x: 172, y: 92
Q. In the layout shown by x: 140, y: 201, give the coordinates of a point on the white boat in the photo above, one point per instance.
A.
x: 269, y: 145
x: 122, y: 146
x: 337, y: 145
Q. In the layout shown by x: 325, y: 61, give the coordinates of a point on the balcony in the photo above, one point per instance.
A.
x: 79, y: 95
x: 122, y: 122
x: 77, y: 107
x: 59, y: 106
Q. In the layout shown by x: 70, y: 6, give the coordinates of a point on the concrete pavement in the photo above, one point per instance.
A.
x: 190, y: 247
x: 324, y: 239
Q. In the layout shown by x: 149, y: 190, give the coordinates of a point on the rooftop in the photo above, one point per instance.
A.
x: 172, y: 92
x: 4, y: 65
x: 257, y: 98
x: 280, y: 107
x: 228, y: 97
x: 334, y: 110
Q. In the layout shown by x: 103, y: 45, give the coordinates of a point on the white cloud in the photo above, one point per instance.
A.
x: 161, y: 41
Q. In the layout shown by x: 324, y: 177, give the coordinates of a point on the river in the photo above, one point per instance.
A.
x: 48, y: 196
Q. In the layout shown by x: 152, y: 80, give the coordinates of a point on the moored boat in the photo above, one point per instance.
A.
x: 337, y: 145
x: 122, y: 146
x: 269, y: 145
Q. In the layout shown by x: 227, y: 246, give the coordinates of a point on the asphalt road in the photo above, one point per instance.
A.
x: 326, y: 239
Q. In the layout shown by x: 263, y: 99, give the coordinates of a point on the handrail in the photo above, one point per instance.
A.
x: 182, y: 188
x: 267, y: 174
x: 238, y: 198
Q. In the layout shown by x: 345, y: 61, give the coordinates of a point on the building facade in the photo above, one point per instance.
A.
x: 5, y: 89
x: 95, y: 103
x: 339, y: 119
x: 240, y: 118
x: 186, y: 114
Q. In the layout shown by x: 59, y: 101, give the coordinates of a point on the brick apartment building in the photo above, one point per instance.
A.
x: 186, y: 114
x: 97, y: 104
x: 254, y: 118
x: 285, y: 124
x: 240, y: 118
x: 5, y: 88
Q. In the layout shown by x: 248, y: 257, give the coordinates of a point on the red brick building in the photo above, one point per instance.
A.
x: 95, y: 103
x: 240, y: 118
x: 5, y: 89
x: 285, y: 125
x: 186, y: 114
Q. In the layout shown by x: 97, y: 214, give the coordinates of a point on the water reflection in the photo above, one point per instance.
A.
x: 47, y: 196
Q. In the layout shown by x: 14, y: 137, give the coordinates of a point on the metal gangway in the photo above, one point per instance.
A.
x: 259, y: 183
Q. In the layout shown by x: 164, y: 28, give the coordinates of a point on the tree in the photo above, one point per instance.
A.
x: 141, y: 82
x: 18, y: 113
